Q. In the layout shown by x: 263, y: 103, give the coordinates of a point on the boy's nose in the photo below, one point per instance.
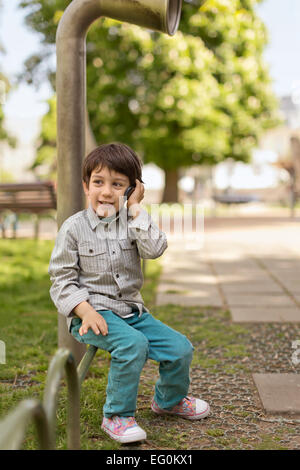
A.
x: 106, y: 190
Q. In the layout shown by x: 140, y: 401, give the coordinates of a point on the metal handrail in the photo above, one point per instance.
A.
x: 63, y: 361
x: 85, y: 363
x: 13, y: 427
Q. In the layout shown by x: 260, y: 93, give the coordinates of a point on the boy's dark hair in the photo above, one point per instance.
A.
x: 115, y: 156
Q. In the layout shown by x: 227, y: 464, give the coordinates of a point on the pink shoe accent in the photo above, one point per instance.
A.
x: 188, y: 408
x: 123, y: 429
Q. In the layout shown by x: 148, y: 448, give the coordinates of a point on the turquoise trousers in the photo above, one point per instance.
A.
x: 131, y: 341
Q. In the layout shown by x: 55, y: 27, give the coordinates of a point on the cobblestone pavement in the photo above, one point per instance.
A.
x: 249, y: 266
x: 237, y: 419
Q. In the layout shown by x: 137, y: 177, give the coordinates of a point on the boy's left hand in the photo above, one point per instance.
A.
x: 138, y: 194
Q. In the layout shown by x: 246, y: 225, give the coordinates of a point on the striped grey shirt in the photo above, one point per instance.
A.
x: 99, y: 261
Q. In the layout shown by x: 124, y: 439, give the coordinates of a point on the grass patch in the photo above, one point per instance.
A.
x: 269, y: 442
x: 215, y: 432
x: 174, y: 291
x: 28, y: 321
x: 28, y: 326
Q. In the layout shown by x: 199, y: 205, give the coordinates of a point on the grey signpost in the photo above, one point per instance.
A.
x: 157, y: 15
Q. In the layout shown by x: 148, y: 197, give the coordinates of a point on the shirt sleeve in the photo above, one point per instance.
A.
x: 151, y: 241
x: 65, y: 291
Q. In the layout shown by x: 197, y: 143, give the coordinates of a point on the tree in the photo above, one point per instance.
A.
x: 199, y: 97
x: 44, y: 165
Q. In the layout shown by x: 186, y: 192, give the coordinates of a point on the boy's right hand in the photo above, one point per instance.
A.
x: 96, y: 322
x: 90, y: 319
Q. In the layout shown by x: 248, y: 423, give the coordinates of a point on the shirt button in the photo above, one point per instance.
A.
x: 113, y: 252
x: 117, y: 275
x: 91, y: 251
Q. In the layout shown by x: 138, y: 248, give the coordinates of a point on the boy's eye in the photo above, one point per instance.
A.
x: 119, y: 185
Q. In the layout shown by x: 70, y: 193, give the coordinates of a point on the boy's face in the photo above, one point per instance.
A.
x: 104, y: 190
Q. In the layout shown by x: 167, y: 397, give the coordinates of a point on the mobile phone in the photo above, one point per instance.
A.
x: 128, y: 192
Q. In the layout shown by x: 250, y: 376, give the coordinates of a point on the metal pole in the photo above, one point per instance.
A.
x: 63, y: 363
x: 159, y: 15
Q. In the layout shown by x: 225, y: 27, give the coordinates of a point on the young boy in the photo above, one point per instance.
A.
x: 96, y: 279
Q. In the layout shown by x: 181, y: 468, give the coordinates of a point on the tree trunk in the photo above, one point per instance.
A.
x: 171, y: 186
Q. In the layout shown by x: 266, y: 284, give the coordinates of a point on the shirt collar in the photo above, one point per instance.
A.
x: 95, y: 220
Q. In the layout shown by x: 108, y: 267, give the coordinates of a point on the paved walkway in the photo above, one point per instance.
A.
x: 251, y: 267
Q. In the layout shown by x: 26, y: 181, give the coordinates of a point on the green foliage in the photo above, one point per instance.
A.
x: 44, y: 165
x: 199, y: 97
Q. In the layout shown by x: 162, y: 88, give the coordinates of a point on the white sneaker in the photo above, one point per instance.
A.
x: 123, y: 429
x: 189, y: 408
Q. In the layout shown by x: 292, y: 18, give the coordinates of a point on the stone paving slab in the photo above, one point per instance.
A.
x: 233, y: 268
x: 186, y: 287
x: 287, y: 277
x: 195, y: 300
x: 175, y: 271
x: 238, y: 278
x: 190, y: 279
x: 257, y: 288
x: 279, y: 393
x: 240, y: 300
x: 281, y: 265
x: 292, y: 286
x: 242, y: 273
x: 235, y: 264
x: 265, y: 314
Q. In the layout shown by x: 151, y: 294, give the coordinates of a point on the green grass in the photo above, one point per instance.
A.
x: 28, y: 326
x: 269, y: 442
x: 27, y: 317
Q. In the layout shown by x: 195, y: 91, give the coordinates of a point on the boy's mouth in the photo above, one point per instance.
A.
x: 105, y: 209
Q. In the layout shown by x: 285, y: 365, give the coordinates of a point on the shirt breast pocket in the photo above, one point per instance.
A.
x: 93, y: 257
x: 130, y: 252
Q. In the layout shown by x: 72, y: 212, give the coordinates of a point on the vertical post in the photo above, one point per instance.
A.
x: 159, y: 15
x: 36, y: 226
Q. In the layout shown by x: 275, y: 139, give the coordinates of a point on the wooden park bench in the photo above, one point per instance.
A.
x: 34, y: 198
x: 234, y: 198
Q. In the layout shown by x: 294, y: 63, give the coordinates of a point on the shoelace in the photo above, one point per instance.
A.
x: 123, y: 422
x: 186, y: 403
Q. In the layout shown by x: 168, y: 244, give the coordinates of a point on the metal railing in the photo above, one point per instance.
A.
x: 43, y: 414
